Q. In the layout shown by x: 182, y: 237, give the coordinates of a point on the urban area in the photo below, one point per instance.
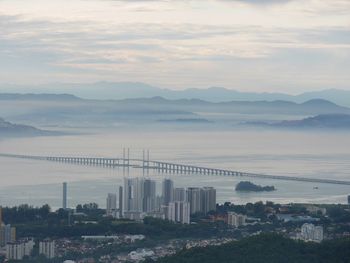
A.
x: 139, y: 224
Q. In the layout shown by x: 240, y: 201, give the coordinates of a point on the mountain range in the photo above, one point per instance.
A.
x: 124, y: 90
x: 69, y: 110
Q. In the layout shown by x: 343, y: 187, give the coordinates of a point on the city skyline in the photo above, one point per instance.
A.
x: 163, y: 131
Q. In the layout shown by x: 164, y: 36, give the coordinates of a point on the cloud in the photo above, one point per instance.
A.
x: 188, y: 51
x: 259, y: 2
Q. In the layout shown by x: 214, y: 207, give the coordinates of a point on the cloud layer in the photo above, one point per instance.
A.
x: 244, y: 44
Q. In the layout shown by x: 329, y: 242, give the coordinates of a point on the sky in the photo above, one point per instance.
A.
x: 288, y: 46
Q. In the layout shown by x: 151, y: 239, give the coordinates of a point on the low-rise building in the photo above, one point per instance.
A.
x: 310, y: 232
x: 235, y: 219
x: 140, y: 254
x: 17, y: 250
x: 316, y: 209
x: 179, y: 212
x: 134, y: 215
x: 47, y: 248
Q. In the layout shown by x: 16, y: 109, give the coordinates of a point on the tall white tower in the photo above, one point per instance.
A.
x: 64, y: 199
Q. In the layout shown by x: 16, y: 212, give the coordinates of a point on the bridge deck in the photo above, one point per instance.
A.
x: 166, y: 167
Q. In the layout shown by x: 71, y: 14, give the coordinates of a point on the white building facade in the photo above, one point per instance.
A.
x: 236, y: 220
x: 47, y: 248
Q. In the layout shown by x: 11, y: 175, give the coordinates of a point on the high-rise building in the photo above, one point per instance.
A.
x: 133, y: 194
x: 208, y: 199
x: 159, y: 203
x: 139, y: 195
x: 121, y: 206
x: 64, y: 197
x: 7, y: 234
x: 235, y: 219
x: 179, y: 212
x: 111, y: 204
x: 194, y: 198
x: 167, y: 191
x: 0, y: 216
x: 180, y: 195
x: 149, y: 195
x: 47, y: 248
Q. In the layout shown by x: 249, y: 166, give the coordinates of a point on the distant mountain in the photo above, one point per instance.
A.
x: 41, y: 96
x: 340, y: 97
x: 66, y: 110
x: 8, y: 129
x: 124, y: 90
x: 311, y: 107
x: 328, y: 121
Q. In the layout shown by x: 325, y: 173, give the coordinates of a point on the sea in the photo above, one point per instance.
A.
x: 275, y: 152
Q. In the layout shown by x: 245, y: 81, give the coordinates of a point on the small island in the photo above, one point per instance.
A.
x: 250, y: 187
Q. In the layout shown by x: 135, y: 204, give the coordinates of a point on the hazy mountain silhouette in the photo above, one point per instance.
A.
x: 329, y: 121
x: 8, y: 129
x: 69, y: 110
x: 123, y: 90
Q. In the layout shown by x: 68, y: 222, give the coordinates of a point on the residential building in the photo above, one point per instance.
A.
x: 235, y: 219
x: 17, y: 250
x: 194, y: 198
x: 159, y: 203
x: 134, y: 215
x: 310, y: 232
x: 157, y: 214
x: 180, y: 195
x: 111, y: 204
x: 14, y: 251
x: 149, y: 196
x: 47, y: 248
x: 7, y: 234
x: 133, y: 194
x: 179, y: 212
x: 313, y: 209
x: 208, y: 199
x: 168, y: 191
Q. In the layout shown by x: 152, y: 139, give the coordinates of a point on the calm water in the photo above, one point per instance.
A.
x: 307, y: 154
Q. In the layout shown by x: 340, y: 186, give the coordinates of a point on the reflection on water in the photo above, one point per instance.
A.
x: 281, y: 153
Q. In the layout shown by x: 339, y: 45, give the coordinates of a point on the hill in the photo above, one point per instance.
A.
x: 246, y: 186
x: 333, y: 121
x: 324, y: 121
x: 8, y: 129
x: 266, y: 248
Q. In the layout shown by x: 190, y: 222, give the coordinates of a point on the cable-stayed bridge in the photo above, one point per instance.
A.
x: 165, y: 167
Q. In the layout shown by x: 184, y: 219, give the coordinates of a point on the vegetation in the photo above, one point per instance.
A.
x: 25, y: 213
x: 269, y: 248
x: 155, y: 228
x: 249, y: 186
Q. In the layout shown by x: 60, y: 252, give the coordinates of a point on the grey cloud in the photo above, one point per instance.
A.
x: 259, y: 2
x: 83, y: 47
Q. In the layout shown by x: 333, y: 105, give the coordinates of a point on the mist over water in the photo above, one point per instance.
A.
x: 306, y: 154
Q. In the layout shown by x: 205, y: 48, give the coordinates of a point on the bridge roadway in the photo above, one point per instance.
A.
x: 166, y: 167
